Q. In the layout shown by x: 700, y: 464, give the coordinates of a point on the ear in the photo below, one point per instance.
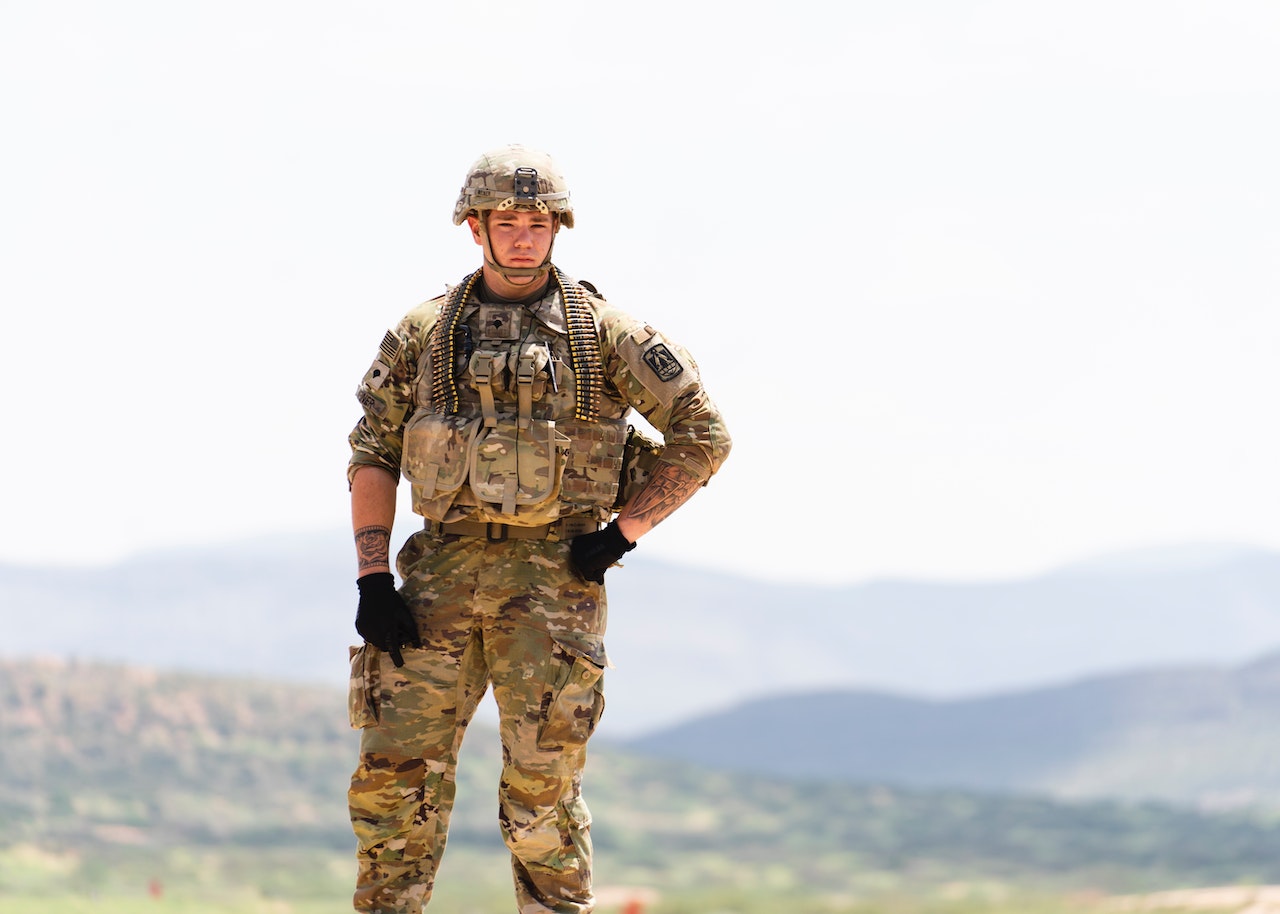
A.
x: 473, y: 222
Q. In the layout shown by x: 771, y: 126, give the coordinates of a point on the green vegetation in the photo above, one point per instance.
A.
x: 473, y: 883
x: 229, y: 796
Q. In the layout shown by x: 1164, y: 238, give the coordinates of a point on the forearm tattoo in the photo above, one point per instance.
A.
x: 373, y: 546
x: 668, y: 489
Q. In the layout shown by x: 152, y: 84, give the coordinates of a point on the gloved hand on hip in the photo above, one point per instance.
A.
x: 591, y: 554
x: 382, y: 618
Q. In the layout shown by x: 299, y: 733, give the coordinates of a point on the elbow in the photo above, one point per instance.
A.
x: 701, y: 459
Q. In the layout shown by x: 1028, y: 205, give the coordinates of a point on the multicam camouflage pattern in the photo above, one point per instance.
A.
x: 512, y: 616
x: 595, y: 461
x: 435, y: 462
x: 491, y: 184
x: 507, y: 614
x: 364, y: 686
x: 642, y: 370
x: 514, y: 468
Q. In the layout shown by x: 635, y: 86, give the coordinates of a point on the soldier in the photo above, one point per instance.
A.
x: 504, y: 404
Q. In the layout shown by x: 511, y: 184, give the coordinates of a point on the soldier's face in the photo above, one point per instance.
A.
x: 517, y: 238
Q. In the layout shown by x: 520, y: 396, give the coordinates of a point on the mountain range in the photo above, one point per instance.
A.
x: 1203, y: 736
x: 685, y: 642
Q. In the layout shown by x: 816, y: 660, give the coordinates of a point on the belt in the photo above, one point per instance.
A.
x: 566, y: 528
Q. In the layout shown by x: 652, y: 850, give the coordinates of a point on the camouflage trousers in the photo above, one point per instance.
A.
x: 513, y: 616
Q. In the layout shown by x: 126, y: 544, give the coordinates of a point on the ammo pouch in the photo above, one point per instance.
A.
x: 515, y: 472
x: 526, y: 475
x: 436, y: 453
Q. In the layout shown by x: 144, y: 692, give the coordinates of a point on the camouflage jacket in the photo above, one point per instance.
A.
x: 640, y: 370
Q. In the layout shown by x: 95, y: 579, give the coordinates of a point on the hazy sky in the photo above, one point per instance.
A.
x: 982, y: 287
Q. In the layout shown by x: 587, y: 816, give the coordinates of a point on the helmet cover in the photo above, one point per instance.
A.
x: 514, y: 177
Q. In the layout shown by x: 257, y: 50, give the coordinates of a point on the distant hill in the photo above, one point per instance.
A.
x: 1205, y: 736
x: 685, y: 642
x: 113, y: 770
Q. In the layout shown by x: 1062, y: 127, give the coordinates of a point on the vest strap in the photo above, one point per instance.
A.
x: 482, y: 369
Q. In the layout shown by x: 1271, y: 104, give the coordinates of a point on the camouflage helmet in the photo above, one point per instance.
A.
x: 514, y: 177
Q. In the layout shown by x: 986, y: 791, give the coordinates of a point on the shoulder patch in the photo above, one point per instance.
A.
x: 660, y: 367
x: 665, y: 365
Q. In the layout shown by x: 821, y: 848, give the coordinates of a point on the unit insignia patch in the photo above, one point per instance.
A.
x: 665, y: 365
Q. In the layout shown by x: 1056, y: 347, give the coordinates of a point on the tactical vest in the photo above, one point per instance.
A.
x: 510, y: 421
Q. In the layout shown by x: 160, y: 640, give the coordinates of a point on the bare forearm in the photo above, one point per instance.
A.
x: 668, y: 489
x: 373, y: 511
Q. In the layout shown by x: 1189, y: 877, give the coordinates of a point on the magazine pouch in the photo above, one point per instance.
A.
x: 435, y: 460
x: 515, y: 472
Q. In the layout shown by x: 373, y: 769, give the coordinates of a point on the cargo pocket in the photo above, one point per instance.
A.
x: 362, y: 692
x: 576, y: 695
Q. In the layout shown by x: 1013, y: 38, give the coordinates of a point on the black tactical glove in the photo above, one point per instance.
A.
x: 382, y: 618
x: 591, y: 554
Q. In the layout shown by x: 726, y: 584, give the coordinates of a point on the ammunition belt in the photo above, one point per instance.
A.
x: 584, y: 348
x: 444, y: 386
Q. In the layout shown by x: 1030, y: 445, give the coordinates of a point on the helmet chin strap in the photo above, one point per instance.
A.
x: 510, y: 274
